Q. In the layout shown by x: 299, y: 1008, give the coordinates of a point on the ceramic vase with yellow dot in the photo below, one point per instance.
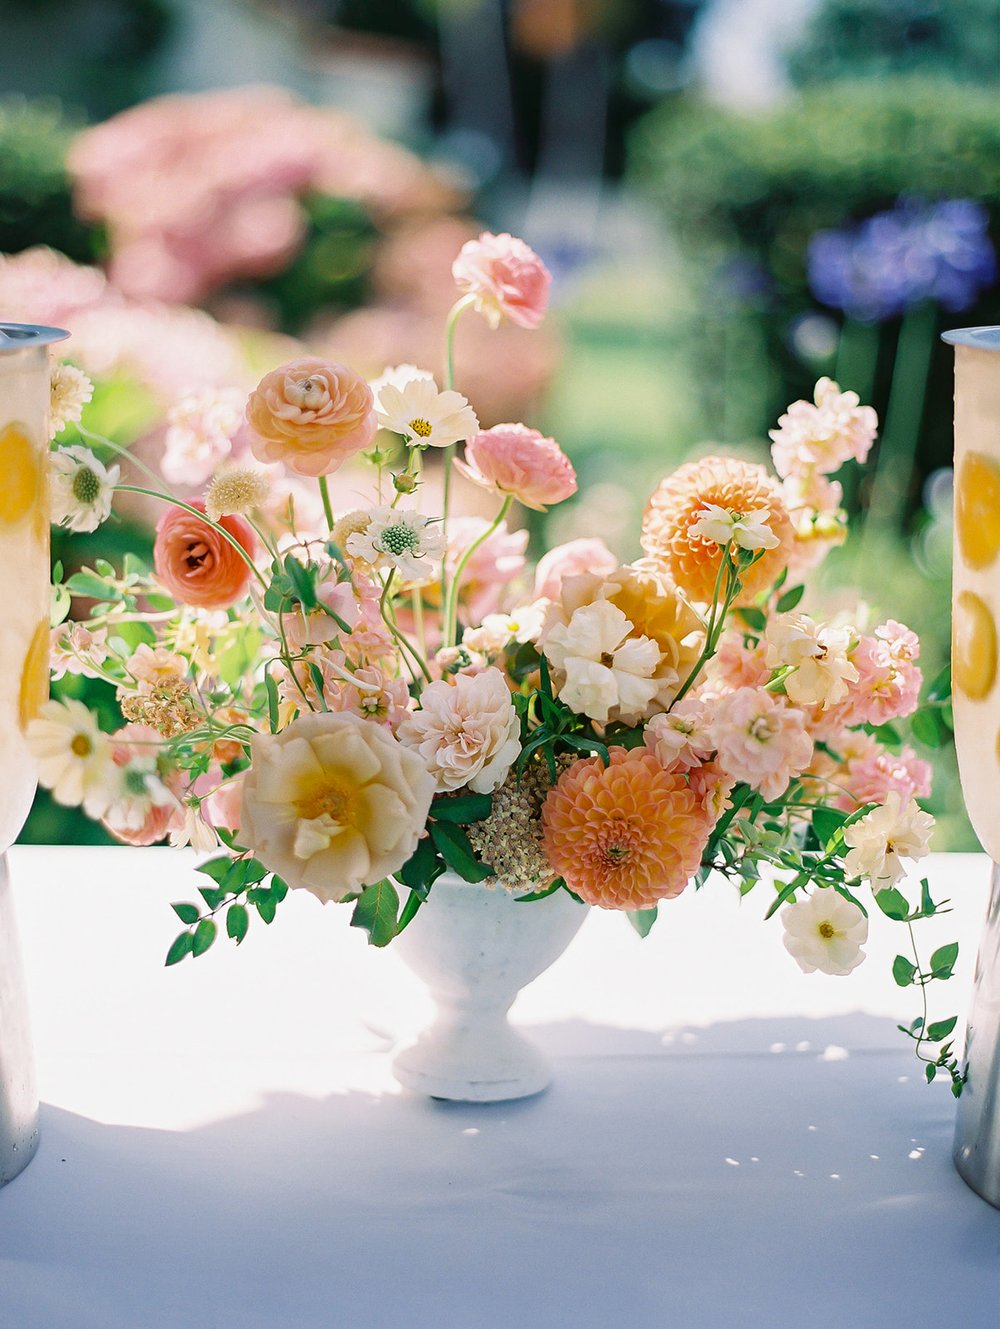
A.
x: 24, y: 635
x: 976, y: 700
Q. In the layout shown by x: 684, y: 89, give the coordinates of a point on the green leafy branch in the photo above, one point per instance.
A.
x: 239, y: 883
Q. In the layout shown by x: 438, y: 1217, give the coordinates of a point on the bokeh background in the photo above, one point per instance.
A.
x: 734, y: 196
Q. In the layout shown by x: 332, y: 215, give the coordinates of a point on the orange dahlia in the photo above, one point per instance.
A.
x: 625, y: 835
x: 692, y: 561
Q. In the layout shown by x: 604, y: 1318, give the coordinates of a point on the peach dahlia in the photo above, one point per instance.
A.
x: 625, y: 835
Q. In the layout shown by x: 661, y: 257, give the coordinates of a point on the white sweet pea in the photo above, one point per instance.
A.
x: 826, y: 932
x: 605, y: 665
x: 399, y: 538
x: 817, y: 656
x: 880, y: 840
x: 81, y: 488
x: 748, y: 530
x: 423, y: 415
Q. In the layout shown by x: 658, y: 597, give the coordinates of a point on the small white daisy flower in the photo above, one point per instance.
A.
x: 82, y: 488
x: 399, y: 538
x: 424, y: 416
x: 73, y: 756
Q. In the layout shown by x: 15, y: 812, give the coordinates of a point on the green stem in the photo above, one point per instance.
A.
x: 451, y: 605
x: 186, y: 507
x: 399, y: 637
x: 716, y: 620
x: 324, y: 492
x: 119, y: 451
x: 449, y: 452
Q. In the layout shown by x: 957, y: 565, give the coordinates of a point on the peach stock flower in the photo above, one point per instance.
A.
x: 625, y: 835
x: 678, y: 506
x: 506, y: 277
x: 823, y: 433
x: 760, y: 740
x: 333, y: 803
x: 196, y: 564
x: 310, y: 414
x: 466, y: 732
x: 513, y: 459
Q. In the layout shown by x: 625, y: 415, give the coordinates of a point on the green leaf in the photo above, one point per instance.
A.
x: 463, y: 808
x: 212, y: 895
x: 790, y: 599
x: 253, y: 870
x: 943, y: 960
x: 303, y: 582
x: 204, y: 935
x: 187, y: 913
x: 237, y: 922
x: 180, y: 947
x: 539, y: 895
x: 279, y: 888
x: 216, y: 868
x: 827, y: 822
x: 422, y: 868
x: 454, y: 847
x: 271, y: 688
x: 413, y: 903
x: 927, y: 729
x: 940, y: 688
x: 88, y: 584
x: 643, y: 919
x: 888, y: 734
x: 903, y: 971
x: 940, y: 1029
x: 785, y: 893
x: 264, y: 902
x: 892, y: 903
x: 753, y: 618
x: 376, y: 911
x: 930, y: 1070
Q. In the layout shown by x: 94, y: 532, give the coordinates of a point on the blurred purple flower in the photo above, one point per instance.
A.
x: 896, y: 259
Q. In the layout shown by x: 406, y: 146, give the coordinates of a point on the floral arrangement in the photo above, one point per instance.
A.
x: 354, y: 704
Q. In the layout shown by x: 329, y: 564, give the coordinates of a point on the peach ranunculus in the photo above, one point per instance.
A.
x: 588, y: 554
x: 466, y: 732
x: 333, y: 803
x: 679, y: 504
x: 513, y: 459
x: 624, y: 835
x: 506, y: 277
x: 196, y: 564
x: 310, y: 414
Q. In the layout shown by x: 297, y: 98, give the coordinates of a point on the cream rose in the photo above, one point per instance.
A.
x: 466, y: 732
x: 333, y: 803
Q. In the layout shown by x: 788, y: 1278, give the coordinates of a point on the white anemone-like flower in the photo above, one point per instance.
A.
x: 425, y: 416
x: 879, y: 841
x: 73, y: 756
x: 606, y: 666
x: 748, y: 530
x: 69, y: 391
x: 82, y: 488
x: 817, y: 655
x: 826, y: 932
x: 399, y: 538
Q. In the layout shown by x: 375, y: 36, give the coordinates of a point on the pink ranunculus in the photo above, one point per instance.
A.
x: 521, y: 462
x: 196, y: 564
x: 506, y: 277
x: 310, y: 414
x: 588, y: 554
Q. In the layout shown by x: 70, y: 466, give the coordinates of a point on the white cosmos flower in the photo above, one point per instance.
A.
x: 82, y: 488
x: 818, y: 656
x: 826, y: 932
x: 73, y: 756
x: 748, y: 530
x: 605, y: 665
x: 425, y: 416
x: 880, y: 840
x: 399, y: 538
x: 396, y: 376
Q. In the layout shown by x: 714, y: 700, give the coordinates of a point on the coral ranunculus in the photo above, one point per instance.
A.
x: 312, y: 415
x: 515, y: 460
x: 196, y: 564
x: 507, y: 278
x: 625, y: 835
x: 692, y: 561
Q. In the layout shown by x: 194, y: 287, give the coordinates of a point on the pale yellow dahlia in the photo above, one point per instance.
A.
x: 333, y: 803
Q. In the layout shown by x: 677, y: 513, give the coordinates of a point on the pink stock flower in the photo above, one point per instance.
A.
x: 310, y: 414
x: 680, y: 737
x: 512, y: 459
x: 735, y: 665
x: 870, y: 776
x: 888, y: 684
x: 196, y: 564
x: 222, y: 806
x: 339, y: 598
x: 589, y: 554
x: 823, y: 435
x: 507, y: 278
x: 711, y: 785
x: 372, y: 694
x: 199, y: 435
x: 760, y: 740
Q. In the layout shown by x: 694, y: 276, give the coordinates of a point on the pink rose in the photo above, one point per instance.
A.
x: 310, y: 414
x: 196, y: 564
x: 506, y: 277
x: 569, y: 560
x: 515, y: 460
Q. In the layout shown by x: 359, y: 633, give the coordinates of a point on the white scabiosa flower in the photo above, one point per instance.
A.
x: 69, y: 391
x: 399, y: 538
x: 73, y: 756
x: 879, y: 841
x: 826, y: 932
x: 82, y: 488
x: 425, y: 416
x: 748, y: 530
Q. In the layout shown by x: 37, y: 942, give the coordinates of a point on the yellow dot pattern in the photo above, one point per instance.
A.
x: 974, y: 647
x: 21, y: 477
x: 34, y: 689
x: 977, y: 510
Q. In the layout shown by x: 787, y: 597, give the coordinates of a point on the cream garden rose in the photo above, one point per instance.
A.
x: 333, y: 803
x: 467, y: 733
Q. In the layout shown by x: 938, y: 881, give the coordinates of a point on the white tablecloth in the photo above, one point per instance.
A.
x: 727, y: 1142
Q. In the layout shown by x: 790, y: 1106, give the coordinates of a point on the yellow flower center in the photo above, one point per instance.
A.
x: 81, y: 746
x: 329, y: 799
x: 826, y: 931
x: 422, y: 428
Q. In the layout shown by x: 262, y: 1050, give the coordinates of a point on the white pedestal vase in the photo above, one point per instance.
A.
x: 475, y: 949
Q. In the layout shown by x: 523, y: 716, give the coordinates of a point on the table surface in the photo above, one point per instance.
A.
x: 727, y: 1142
